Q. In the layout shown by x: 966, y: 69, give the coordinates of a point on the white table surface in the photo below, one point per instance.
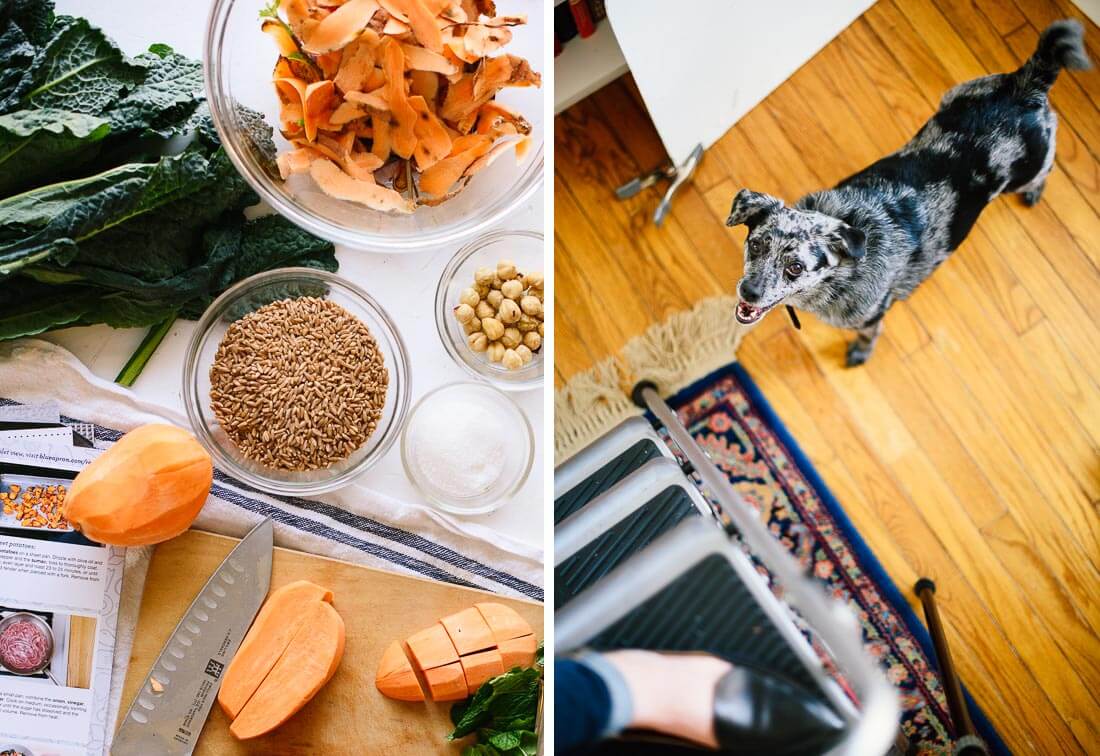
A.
x: 403, y: 284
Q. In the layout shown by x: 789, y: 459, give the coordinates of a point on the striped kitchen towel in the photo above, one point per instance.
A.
x: 354, y: 524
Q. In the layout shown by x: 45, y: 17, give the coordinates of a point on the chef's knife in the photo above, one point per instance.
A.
x: 171, y: 707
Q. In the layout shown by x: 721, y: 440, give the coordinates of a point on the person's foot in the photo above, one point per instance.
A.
x: 672, y: 693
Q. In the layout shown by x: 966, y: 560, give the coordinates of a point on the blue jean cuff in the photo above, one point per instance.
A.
x: 622, y: 704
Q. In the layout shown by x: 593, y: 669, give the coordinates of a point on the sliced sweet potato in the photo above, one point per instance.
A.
x: 425, y: 84
x: 357, y: 63
x: 309, y: 661
x: 335, y: 183
x: 493, y: 74
x: 278, y: 31
x: 492, y: 116
x: 278, y: 620
x: 419, y: 59
x: 362, y: 165
x: 341, y: 26
x: 346, y: 113
x: 403, y: 135
x: 518, y: 652
x: 396, y: 678
x: 296, y: 161
x: 329, y: 63
x: 422, y: 22
x: 373, y: 101
x: 481, y: 667
x: 468, y: 631
x: 482, y: 40
x: 433, y: 143
x: 395, y: 27
x: 504, y: 622
x: 431, y: 647
x: 381, y: 144
x: 441, y: 176
x: 500, y: 147
x: 446, y: 683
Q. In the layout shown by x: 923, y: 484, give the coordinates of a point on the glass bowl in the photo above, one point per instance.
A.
x: 523, y: 247
x: 238, y: 59
x: 251, y: 294
x: 519, y: 444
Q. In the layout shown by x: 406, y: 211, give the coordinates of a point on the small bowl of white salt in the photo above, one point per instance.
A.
x: 467, y: 447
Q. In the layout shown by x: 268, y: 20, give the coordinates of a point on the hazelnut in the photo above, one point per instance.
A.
x: 506, y: 270
x: 542, y: 330
x: 473, y: 325
x: 532, y: 306
x: 484, y: 310
x: 479, y: 342
x: 524, y: 354
x: 492, y: 328
x: 483, y: 276
x: 494, y: 298
x: 497, y: 282
x: 470, y: 297
x: 511, y: 338
x: 512, y: 289
x: 464, y: 313
x: 526, y: 323
x: 512, y: 360
x: 482, y: 290
x: 509, y: 311
x: 495, y: 351
x: 532, y: 340
x: 533, y: 280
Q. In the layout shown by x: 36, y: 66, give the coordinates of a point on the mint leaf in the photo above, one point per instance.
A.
x: 506, y: 702
x: 37, y: 144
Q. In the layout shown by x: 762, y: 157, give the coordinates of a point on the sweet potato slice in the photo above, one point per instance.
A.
x: 335, y: 183
x: 276, y: 623
x: 357, y: 63
x: 396, y: 678
x: 518, y: 652
x: 425, y: 84
x: 431, y: 647
x: 441, y: 176
x: 468, y: 631
x: 482, y: 40
x: 422, y: 22
x: 341, y: 26
x: 296, y: 161
x: 403, y: 135
x: 419, y: 59
x: 446, y: 683
x: 504, y: 622
x: 309, y: 661
x: 373, y: 101
x: 346, y: 113
x: 480, y: 668
x: 279, y: 32
x: 433, y: 143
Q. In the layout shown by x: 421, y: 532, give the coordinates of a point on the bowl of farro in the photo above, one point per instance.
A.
x: 296, y: 381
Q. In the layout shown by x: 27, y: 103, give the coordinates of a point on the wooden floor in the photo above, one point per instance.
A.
x: 967, y: 448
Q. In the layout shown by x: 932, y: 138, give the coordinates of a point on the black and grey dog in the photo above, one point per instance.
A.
x: 847, y: 254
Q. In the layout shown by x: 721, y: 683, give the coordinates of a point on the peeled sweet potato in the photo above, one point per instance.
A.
x: 309, y: 661
x: 457, y: 655
x: 275, y: 626
x: 145, y: 489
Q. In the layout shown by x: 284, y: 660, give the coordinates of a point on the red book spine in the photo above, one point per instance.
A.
x: 585, y: 26
x: 557, y: 46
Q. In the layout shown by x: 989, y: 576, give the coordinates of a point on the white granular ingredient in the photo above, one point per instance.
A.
x: 459, y: 447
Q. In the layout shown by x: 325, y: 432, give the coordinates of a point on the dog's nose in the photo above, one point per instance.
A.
x: 749, y: 292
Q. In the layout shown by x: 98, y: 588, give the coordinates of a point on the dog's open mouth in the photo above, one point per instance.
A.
x: 748, y: 314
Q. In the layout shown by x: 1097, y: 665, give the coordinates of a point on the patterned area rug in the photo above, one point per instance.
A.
x: 730, y: 418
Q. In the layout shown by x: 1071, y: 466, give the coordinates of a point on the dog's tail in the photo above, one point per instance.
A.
x: 1061, y: 45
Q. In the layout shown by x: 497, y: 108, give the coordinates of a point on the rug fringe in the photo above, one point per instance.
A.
x: 672, y: 354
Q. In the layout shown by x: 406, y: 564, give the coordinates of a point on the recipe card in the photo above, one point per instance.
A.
x: 58, y: 605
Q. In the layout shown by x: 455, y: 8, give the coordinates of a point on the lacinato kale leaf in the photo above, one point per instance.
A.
x: 37, y: 144
x: 163, y: 101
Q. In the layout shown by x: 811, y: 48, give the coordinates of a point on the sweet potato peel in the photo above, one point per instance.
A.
x: 392, y: 103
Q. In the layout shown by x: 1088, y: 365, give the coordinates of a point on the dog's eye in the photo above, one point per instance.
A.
x: 794, y: 270
x: 754, y: 246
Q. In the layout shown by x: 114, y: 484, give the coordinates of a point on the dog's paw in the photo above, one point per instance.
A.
x: 1031, y: 199
x: 858, y: 353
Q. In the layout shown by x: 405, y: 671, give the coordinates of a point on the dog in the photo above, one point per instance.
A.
x: 846, y: 254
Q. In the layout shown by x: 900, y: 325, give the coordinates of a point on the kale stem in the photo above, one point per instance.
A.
x: 133, y: 367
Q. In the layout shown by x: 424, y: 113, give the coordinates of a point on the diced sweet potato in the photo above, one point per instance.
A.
x: 503, y: 621
x: 278, y: 620
x: 446, y: 683
x: 518, y: 652
x: 432, y: 647
x: 396, y: 678
x: 468, y: 631
x: 309, y: 661
x: 480, y: 668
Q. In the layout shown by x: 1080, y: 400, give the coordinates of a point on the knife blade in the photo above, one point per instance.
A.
x: 169, y: 711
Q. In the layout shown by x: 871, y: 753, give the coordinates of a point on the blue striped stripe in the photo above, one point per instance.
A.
x: 358, y: 522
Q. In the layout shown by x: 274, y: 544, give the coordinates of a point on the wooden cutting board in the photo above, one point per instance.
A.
x: 348, y: 716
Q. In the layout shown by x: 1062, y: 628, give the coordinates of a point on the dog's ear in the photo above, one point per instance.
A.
x: 751, y: 207
x: 849, y: 242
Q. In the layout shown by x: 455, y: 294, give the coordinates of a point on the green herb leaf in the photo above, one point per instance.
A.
x: 162, y: 103
x: 506, y: 702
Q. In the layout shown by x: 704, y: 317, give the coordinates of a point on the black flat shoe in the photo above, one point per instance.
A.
x: 757, y: 713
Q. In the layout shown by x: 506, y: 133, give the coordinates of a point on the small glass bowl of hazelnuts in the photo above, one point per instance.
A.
x: 490, y: 307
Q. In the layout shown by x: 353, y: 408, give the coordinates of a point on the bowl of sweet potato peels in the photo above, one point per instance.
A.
x: 387, y: 125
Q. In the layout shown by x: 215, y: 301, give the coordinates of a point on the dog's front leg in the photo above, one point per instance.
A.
x: 859, y: 351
